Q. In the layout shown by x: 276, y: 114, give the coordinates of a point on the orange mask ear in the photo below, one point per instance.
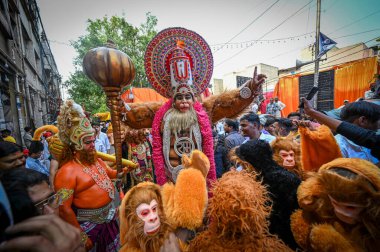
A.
x: 198, y: 160
x: 186, y: 161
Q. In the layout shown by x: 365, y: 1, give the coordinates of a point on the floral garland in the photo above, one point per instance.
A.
x: 101, y: 178
x: 141, y: 154
x: 207, y: 142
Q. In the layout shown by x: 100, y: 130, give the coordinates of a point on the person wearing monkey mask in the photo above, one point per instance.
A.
x: 287, y: 153
x: 138, y: 148
x: 154, y: 218
x: 340, y: 208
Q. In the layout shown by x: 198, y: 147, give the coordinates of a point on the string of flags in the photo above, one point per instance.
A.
x: 245, y: 44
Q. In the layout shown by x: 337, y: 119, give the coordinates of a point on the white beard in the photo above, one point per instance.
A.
x: 180, y: 121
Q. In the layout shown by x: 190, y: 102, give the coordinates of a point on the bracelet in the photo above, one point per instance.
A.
x: 84, y: 237
x: 245, y: 92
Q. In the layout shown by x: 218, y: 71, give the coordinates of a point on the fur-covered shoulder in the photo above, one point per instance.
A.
x: 228, y: 104
x: 308, y: 192
x: 185, y: 204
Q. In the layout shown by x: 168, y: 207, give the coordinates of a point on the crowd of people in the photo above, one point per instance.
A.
x: 206, y: 175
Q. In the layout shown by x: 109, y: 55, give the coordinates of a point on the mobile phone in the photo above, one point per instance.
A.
x: 310, y: 95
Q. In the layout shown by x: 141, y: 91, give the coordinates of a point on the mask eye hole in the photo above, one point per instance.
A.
x: 144, y: 213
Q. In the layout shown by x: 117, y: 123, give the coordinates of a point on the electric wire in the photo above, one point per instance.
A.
x: 265, y: 40
x: 330, y: 61
x: 299, y: 48
x: 356, y: 21
x: 252, y: 22
x: 274, y: 28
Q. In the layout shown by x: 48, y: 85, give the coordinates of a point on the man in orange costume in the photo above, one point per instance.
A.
x: 85, y: 180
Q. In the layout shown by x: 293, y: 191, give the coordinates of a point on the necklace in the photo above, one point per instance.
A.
x: 101, y: 178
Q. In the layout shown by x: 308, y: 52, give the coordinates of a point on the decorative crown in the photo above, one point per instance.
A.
x: 73, y: 125
x: 180, y: 71
x: 176, y: 60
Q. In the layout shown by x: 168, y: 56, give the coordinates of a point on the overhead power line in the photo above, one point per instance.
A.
x: 333, y: 56
x: 299, y: 48
x: 248, y: 43
x: 356, y: 21
x: 253, y: 21
x: 311, y: 68
x: 274, y: 28
x: 266, y: 40
x: 353, y: 34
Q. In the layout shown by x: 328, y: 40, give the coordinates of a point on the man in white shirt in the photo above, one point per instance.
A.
x: 255, y: 108
x: 250, y: 127
x: 220, y: 127
x: 279, y: 106
x: 102, y: 143
x: 363, y: 114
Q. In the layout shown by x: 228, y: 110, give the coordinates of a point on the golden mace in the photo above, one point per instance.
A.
x: 112, y: 70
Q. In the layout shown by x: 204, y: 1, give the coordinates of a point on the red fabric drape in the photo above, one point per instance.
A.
x: 263, y: 105
x: 287, y: 91
x: 352, y: 80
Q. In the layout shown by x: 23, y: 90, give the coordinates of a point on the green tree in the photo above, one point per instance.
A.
x: 127, y: 38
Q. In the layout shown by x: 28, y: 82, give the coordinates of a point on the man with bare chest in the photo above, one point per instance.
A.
x: 85, y: 182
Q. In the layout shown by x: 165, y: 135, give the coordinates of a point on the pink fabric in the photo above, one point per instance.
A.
x: 158, y: 157
x: 207, y: 142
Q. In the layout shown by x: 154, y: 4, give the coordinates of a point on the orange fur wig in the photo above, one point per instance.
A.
x: 238, y: 213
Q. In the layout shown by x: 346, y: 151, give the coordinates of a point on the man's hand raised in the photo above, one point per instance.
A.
x: 255, y: 84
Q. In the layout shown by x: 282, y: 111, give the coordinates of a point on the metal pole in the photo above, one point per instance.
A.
x: 18, y: 105
x: 317, y: 30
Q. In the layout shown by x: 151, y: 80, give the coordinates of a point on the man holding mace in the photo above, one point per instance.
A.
x: 85, y: 182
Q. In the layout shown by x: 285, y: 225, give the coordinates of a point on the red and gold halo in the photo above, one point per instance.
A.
x: 160, y: 49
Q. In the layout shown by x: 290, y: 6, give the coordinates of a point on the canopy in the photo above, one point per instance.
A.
x: 141, y: 95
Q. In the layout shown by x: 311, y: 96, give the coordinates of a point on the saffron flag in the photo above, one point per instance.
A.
x: 325, y: 44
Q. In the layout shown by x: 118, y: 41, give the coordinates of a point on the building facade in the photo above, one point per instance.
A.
x: 236, y: 79
x: 334, y: 57
x: 30, y: 83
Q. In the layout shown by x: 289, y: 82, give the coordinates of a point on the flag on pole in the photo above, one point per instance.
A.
x: 325, y: 44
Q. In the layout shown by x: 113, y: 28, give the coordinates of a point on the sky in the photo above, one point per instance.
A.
x: 282, y: 27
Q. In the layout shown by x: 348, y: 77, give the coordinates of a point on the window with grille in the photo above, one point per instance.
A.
x: 325, y: 97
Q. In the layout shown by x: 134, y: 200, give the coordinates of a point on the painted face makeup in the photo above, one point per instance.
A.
x: 183, y: 102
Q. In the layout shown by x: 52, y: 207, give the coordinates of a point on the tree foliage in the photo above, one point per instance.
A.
x: 127, y: 38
